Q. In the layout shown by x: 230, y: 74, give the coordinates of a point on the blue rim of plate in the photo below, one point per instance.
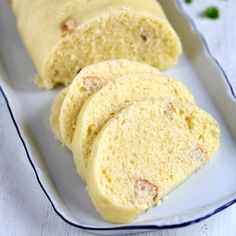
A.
x: 132, y: 227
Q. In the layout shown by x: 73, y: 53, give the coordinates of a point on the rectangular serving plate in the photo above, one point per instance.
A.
x: 207, y: 192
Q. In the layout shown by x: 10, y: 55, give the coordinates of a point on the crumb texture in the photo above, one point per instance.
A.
x: 65, y: 36
x: 89, y: 80
x: 111, y: 99
x: 144, y: 152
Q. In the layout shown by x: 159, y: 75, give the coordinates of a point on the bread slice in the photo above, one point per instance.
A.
x: 144, y: 152
x: 64, y: 36
x: 88, y: 81
x: 113, y: 97
x: 55, y: 113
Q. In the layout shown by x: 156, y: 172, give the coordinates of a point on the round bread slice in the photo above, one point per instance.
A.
x: 65, y: 36
x: 113, y: 97
x: 55, y: 113
x: 88, y: 81
x: 144, y: 152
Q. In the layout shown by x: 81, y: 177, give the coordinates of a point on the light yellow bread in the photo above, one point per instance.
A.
x: 113, y: 97
x: 144, y: 152
x: 89, y: 80
x: 55, y: 113
x: 64, y: 36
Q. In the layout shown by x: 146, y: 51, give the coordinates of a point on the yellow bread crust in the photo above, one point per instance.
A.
x: 113, y: 97
x: 90, y: 79
x: 143, y: 153
x: 64, y: 36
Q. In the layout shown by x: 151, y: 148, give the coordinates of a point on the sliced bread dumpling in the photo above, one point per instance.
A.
x: 144, y: 152
x: 88, y: 81
x: 55, y: 113
x: 113, y: 97
x: 64, y: 36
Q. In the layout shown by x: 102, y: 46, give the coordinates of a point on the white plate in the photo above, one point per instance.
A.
x: 207, y: 192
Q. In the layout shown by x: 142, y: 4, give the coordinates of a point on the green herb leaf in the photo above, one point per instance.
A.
x: 211, y: 12
x: 188, y: 1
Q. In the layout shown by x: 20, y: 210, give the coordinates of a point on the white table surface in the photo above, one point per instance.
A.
x: 24, y: 209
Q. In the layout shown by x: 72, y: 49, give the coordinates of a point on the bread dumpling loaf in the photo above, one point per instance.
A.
x: 90, y: 79
x: 144, y: 152
x: 64, y: 36
x: 113, y: 97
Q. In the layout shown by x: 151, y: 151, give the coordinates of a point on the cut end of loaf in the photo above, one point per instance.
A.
x: 119, y: 34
